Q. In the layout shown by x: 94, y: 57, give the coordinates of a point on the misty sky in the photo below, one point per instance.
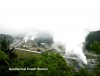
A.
x: 68, y: 20
x: 64, y: 18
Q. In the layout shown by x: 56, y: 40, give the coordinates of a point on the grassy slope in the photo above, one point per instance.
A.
x: 22, y: 53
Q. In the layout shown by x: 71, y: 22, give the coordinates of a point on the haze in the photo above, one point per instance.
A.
x: 69, y: 21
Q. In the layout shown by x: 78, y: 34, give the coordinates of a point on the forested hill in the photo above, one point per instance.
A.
x: 91, y: 37
x: 7, y: 37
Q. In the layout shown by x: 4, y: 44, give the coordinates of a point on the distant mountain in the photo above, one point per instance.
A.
x: 28, y: 39
x: 7, y: 37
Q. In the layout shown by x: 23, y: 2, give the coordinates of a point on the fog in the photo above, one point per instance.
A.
x: 68, y: 21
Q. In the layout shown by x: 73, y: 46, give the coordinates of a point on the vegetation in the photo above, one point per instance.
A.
x: 52, y: 61
x: 7, y: 38
x: 48, y: 63
x: 96, y: 48
x: 7, y: 57
x: 93, y: 45
x: 91, y: 37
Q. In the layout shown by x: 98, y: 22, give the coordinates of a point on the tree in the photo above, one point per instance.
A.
x: 92, y: 43
x: 5, y: 47
x: 95, y: 47
x: 90, y: 38
x: 54, y: 62
x: 7, y: 58
x: 3, y: 59
x: 7, y: 38
x: 83, y: 72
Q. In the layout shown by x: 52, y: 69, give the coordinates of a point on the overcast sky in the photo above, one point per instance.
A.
x: 64, y: 18
x: 68, y: 20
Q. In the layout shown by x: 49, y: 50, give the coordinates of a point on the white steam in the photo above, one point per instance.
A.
x: 69, y: 21
x: 73, y: 40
